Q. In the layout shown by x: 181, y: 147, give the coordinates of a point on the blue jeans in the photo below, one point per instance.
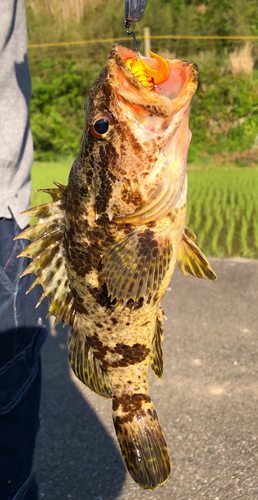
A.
x: 21, y: 337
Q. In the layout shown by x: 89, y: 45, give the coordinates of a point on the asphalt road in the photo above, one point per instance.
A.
x: 207, y: 402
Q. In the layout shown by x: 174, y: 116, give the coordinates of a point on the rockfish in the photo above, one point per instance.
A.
x: 105, y: 248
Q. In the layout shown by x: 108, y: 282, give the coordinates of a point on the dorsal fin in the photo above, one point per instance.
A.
x: 191, y: 260
x: 47, y: 251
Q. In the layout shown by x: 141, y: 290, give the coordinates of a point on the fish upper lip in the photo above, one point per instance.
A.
x: 176, y: 91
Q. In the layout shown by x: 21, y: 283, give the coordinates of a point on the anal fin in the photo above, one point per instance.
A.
x: 156, y: 355
x: 86, y: 366
x: 191, y: 260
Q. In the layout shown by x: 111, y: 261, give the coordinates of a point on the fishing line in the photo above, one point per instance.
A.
x: 127, y: 26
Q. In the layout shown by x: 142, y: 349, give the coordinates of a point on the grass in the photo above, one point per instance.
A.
x: 222, y: 205
x: 43, y: 174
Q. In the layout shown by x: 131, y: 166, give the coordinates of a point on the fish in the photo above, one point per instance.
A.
x: 105, y: 248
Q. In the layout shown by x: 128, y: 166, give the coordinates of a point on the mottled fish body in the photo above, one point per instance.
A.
x: 105, y: 249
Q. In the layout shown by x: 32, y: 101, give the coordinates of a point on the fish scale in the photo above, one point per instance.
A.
x: 105, y: 248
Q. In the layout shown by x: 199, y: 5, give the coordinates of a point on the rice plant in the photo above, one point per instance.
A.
x: 223, y: 211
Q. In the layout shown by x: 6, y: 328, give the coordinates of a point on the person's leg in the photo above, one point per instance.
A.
x: 21, y: 337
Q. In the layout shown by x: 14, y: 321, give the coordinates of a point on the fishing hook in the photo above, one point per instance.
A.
x: 127, y: 26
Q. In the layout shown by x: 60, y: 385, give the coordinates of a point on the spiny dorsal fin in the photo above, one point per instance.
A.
x: 191, y: 260
x: 57, y: 194
x: 156, y: 356
x: 134, y: 266
x: 86, y: 366
x: 46, y: 210
x: 47, y: 251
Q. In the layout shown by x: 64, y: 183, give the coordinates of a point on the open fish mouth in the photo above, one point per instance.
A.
x: 161, y: 99
x: 157, y: 113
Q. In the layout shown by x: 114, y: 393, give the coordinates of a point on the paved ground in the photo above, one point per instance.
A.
x: 207, y: 402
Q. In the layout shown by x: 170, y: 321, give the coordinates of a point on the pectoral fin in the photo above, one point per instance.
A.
x: 135, y: 266
x: 191, y: 260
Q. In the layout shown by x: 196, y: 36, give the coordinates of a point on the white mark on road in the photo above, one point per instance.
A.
x: 216, y: 390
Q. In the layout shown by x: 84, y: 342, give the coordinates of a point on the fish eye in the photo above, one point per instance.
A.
x: 102, y: 126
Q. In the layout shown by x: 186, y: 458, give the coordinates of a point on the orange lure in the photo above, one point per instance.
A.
x: 147, y: 76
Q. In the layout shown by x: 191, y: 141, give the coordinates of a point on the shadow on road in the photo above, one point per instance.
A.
x: 76, y: 458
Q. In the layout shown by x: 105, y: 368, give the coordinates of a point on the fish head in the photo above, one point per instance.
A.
x: 138, y: 137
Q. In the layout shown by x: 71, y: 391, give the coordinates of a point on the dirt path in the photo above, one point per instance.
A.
x: 207, y: 402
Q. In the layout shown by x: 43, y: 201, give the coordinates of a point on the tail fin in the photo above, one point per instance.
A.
x: 141, y: 440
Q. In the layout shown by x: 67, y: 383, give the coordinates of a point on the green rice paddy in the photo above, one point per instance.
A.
x: 222, y: 206
x: 223, y: 211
